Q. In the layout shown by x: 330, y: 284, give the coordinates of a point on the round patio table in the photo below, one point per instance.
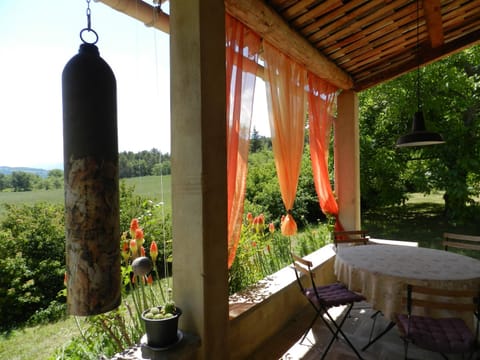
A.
x: 380, y: 273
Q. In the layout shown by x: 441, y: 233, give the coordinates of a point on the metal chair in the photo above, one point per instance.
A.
x: 351, y: 237
x: 444, y: 335
x: 322, y: 298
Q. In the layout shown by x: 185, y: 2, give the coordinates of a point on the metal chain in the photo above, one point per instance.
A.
x: 89, y: 12
x: 89, y: 29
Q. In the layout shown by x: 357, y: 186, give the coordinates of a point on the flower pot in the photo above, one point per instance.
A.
x: 162, y: 333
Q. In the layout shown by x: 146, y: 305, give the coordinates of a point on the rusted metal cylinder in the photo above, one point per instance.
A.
x: 92, y: 225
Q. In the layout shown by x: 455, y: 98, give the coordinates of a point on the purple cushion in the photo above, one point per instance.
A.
x: 449, y: 335
x: 333, y: 295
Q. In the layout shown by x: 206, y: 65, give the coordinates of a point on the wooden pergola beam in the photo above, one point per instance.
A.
x: 146, y: 13
x: 433, y: 17
x: 272, y: 28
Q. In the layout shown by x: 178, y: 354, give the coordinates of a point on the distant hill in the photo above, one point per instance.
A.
x: 8, y: 170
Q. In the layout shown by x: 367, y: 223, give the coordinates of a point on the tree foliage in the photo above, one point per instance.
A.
x: 450, y: 99
x: 263, y: 190
x: 143, y: 163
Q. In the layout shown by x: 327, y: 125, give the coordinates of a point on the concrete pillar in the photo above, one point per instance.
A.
x: 347, y: 160
x: 199, y: 195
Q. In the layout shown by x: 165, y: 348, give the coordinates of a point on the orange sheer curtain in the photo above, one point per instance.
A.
x: 322, y: 100
x: 242, y: 46
x: 286, y: 82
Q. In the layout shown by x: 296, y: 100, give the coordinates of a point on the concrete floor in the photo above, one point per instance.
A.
x: 357, y: 328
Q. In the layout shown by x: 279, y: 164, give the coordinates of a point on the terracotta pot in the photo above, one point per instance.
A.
x: 162, y: 333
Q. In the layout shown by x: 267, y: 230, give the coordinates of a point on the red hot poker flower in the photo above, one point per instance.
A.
x: 153, y: 251
x: 139, y: 237
x: 133, y: 226
x: 133, y: 247
x: 271, y: 227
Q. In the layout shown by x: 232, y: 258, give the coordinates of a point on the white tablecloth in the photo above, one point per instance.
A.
x: 380, y: 272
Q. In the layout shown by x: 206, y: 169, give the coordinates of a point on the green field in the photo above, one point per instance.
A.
x: 156, y: 188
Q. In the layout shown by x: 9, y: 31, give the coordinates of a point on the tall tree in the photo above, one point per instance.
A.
x: 450, y: 95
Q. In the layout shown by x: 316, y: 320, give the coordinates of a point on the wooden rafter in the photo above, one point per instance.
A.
x: 433, y: 17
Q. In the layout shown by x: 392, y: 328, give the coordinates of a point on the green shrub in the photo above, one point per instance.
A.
x: 32, y: 251
x: 262, y: 251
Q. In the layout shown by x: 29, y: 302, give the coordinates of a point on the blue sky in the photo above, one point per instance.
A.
x: 37, y: 38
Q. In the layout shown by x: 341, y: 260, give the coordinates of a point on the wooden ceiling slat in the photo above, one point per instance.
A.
x: 329, y: 21
x: 317, y: 11
x: 459, y: 33
x: 371, y: 33
x: 361, y: 21
x: 297, y: 9
x: 382, y: 53
x: 393, y: 48
x: 383, y: 68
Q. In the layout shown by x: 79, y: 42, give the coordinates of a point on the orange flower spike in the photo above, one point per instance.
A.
x: 271, y: 227
x: 139, y: 237
x: 256, y: 224
x: 133, y: 247
x: 250, y: 218
x: 125, y: 251
x: 133, y: 227
x: 259, y: 223
x: 153, y: 251
x: 289, y: 226
x: 142, y: 251
x: 150, y: 279
x: 261, y: 218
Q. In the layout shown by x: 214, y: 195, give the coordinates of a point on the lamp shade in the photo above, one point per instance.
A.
x: 419, y: 135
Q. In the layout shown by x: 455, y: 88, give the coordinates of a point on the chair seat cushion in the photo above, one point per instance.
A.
x: 333, y: 295
x: 448, y: 335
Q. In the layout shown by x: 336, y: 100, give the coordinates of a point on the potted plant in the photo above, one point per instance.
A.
x: 161, y: 325
x: 157, y: 316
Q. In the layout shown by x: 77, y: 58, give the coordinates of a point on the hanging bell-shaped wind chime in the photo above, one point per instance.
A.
x: 92, y: 224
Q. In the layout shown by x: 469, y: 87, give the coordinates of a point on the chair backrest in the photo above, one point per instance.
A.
x: 466, y: 242
x: 429, y: 298
x: 352, y: 237
x: 303, y: 267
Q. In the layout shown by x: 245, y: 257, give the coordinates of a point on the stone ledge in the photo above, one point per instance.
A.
x: 263, y: 310
x: 186, y: 349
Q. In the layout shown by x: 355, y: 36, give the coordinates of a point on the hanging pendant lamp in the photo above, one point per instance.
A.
x: 419, y: 136
x: 92, y: 211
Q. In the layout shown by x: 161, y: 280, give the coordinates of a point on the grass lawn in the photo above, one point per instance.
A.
x: 38, y: 342
x: 420, y: 219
